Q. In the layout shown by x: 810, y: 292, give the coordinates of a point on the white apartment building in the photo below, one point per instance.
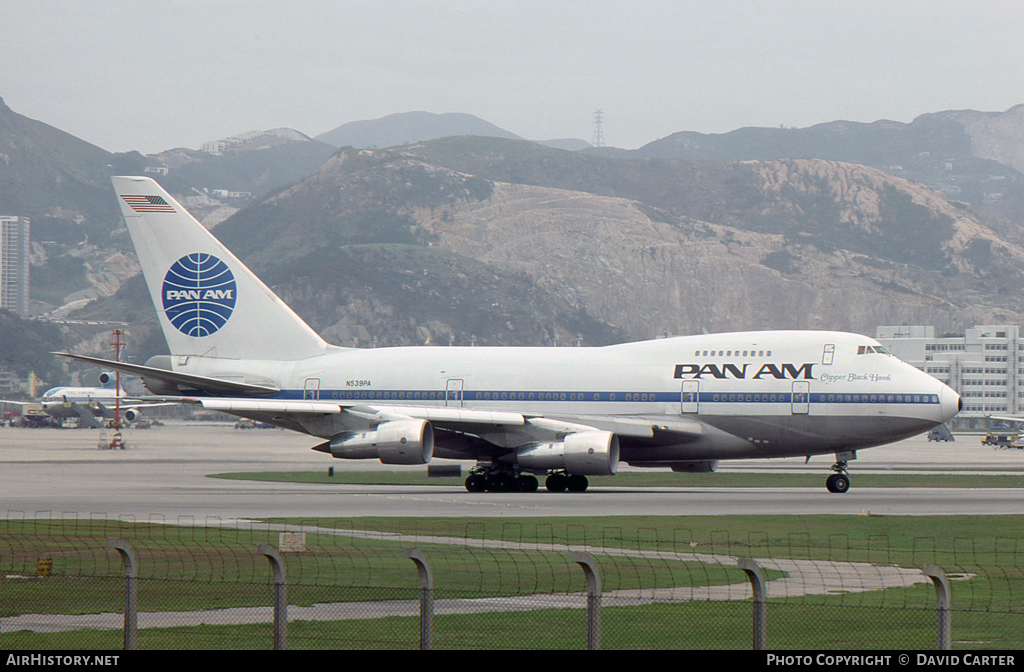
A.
x: 14, y: 264
x: 985, y: 366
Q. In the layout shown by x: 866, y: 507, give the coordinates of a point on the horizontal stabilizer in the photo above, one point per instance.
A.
x: 181, y: 380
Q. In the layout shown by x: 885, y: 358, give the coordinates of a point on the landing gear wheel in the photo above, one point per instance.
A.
x: 475, y: 483
x: 578, y: 484
x: 838, y: 483
x: 526, y: 483
x: 556, y: 483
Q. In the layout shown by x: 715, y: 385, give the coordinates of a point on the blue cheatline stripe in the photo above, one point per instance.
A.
x: 612, y: 397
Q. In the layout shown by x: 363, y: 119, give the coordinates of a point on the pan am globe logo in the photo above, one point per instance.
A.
x: 199, y: 294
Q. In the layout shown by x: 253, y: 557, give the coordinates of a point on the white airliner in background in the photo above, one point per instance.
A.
x: 682, y: 403
x: 94, y: 406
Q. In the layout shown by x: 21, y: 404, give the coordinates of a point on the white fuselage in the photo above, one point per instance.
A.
x: 58, y: 401
x: 779, y: 393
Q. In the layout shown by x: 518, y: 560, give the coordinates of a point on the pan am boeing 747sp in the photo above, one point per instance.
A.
x: 565, y: 413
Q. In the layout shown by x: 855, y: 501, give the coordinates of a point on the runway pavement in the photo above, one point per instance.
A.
x: 163, y: 475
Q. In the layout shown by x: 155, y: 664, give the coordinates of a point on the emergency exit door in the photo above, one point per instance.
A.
x: 690, y: 396
x: 453, y: 393
x: 801, y: 397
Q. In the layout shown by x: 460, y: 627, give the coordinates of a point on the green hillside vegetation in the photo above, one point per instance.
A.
x: 25, y: 346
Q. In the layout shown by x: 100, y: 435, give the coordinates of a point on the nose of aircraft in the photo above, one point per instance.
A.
x: 949, y: 403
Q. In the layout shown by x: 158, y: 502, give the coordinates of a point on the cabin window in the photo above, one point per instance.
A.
x: 696, y: 353
x: 611, y: 397
x: 732, y: 397
x: 562, y: 396
x: 773, y: 398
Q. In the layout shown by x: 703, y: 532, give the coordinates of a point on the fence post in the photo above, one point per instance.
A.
x: 757, y: 584
x: 130, y: 561
x: 943, y: 598
x: 589, y: 565
x: 426, y: 597
x: 280, y: 595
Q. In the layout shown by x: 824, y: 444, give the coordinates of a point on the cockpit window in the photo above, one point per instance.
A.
x: 871, y: 349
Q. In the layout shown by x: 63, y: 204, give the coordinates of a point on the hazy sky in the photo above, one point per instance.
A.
x: 153, y: 75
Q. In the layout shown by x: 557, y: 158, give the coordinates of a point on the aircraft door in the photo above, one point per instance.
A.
x: 312, y: 389
x: 453, y: 393
x: 690, y: 396
x: 801, y: 397
x: 828, y: 354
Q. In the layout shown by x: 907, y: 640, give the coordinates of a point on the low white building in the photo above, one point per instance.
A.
x: 985, y: 366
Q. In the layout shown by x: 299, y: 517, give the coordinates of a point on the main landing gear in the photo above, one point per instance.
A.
x: 840, y: 480
x: 482, y: 479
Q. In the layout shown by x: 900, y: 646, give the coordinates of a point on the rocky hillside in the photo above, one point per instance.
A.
x: 977, y: 157
x: 502, y: 241
x: 638, y: 248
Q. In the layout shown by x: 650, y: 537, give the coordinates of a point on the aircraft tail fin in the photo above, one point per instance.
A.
x: 209, y: 302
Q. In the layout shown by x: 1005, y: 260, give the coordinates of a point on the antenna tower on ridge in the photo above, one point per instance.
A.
x: 598, y: 140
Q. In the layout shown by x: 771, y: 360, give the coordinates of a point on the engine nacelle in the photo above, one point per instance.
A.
x: 582, y: 453
x: 395, y: 442
x: 132, y: 414
x: 695, y: 467
x: 107, y: 377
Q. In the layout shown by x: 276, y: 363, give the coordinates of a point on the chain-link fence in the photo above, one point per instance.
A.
x: 69, y: 583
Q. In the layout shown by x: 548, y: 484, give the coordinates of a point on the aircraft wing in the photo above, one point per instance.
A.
x: 650, y: 430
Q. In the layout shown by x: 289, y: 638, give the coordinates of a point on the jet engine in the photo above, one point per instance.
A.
x: 582, y: 453
x: 107, y: 377
x: 394, y: 442
x: 131, y: 415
